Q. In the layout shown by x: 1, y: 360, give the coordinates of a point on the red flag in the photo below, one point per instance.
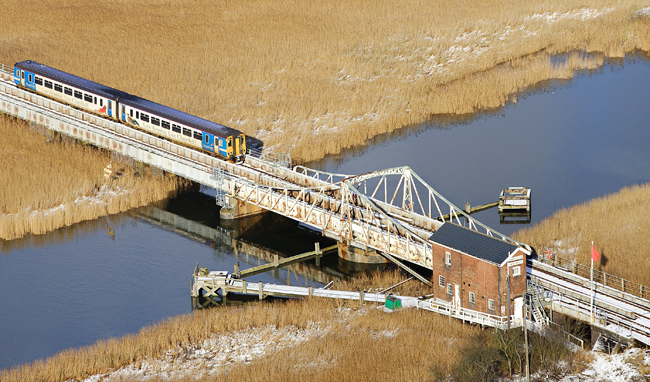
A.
x: 594, y: 254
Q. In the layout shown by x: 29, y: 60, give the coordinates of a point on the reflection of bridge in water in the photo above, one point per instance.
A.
x: 227, y: 241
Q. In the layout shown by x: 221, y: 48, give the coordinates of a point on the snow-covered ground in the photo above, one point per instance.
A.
x: 220, y: 352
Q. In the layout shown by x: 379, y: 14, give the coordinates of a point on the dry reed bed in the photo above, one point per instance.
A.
x: 422, y: 341
x: 46, y: 186
x: 618, y: 224
x: 295, y: 73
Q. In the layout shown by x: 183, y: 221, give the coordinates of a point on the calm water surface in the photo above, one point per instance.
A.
x: 569, y: 144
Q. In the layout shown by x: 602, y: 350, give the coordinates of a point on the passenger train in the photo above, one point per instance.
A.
x: 134, y: 111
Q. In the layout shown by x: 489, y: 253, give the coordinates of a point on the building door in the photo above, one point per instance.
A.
x: 457, y: 296
x: 519, y: 303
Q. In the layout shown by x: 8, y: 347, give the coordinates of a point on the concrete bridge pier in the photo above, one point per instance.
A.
x: 358, y: 255
x: 239, y: 209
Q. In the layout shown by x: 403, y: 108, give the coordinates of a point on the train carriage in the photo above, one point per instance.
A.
x: 132, y: 110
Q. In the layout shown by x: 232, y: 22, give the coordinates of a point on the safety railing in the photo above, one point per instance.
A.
x: 603, y: 278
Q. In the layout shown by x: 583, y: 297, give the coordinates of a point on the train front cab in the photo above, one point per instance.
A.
x: 236, y: 147
x: 23, y: 78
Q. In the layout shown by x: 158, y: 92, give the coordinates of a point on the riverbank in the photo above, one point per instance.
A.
x: 48, y: 183
x: 618, y: 224
x: 320, y: 339
x: 313, y: 77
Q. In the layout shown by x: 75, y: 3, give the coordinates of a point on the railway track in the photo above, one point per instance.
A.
x: 621, y: 313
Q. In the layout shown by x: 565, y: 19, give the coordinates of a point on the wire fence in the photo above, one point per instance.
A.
x: 603, y: 278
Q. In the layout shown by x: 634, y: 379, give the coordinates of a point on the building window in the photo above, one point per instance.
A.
x: 472, y: 298
x: 447, y: 258
x: 441, y: 280
x: 491, y: 304
x: 516, y: 271
x: 449, y: 291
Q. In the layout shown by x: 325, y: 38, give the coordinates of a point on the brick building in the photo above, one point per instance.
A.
x: 471, y: 269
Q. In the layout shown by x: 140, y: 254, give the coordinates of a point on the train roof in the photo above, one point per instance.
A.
x: 70, y: 79
x: 132, y: 100
x: 177, y: 116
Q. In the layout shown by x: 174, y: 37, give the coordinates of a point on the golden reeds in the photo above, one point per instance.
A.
x: 618, y: 224
x: 417, y: 341
x: 315, y: 77
x: 47, y: 185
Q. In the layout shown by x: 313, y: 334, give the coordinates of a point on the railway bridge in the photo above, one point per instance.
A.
x: 392, y: 212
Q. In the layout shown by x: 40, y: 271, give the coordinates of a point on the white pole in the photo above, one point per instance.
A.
x: 593, y: 286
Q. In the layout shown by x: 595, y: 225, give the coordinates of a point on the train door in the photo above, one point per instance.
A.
x: 208, y: 142
x: 123, y: 113
x: 230, y: 148
x: 241, y: 140
x: 28, y: 80
x: 223, y: 150
x: 110, y: 108
x: 17, y: 76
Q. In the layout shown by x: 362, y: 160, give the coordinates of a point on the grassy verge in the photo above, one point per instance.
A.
x: 618, y: 224
x: 48, y: 185
x: 315, y: 77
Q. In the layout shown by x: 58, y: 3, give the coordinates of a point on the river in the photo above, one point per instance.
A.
x: 568, y: 142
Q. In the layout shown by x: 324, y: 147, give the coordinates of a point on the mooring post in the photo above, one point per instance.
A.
x: 261, y: 290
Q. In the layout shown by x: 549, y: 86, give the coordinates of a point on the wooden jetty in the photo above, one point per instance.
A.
x: 514, y: 199
x: 213, y: 285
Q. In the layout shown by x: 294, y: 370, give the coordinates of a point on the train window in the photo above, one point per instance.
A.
x: 155, y: 121
x: 23, y: 75
x: 165, y: 125
x: 95, y: 99
x: 29, y: 78
x: 58, y: 88
x: 88, y: 98
x: 38, y: 80
x: 131, y: 113
x: 176, y: 128
x: 137, y: 114
x: 187, y: 132
x: 77, y: 93
x: 67, y: 91
x: 101, y: 102
x: 48, y: 84
x: 198, y: 135
x: 144, y: 117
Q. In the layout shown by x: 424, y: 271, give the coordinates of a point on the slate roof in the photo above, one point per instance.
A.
x: 473, y: 243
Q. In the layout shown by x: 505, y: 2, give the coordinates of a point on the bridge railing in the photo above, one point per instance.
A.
x: 604, y: 278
